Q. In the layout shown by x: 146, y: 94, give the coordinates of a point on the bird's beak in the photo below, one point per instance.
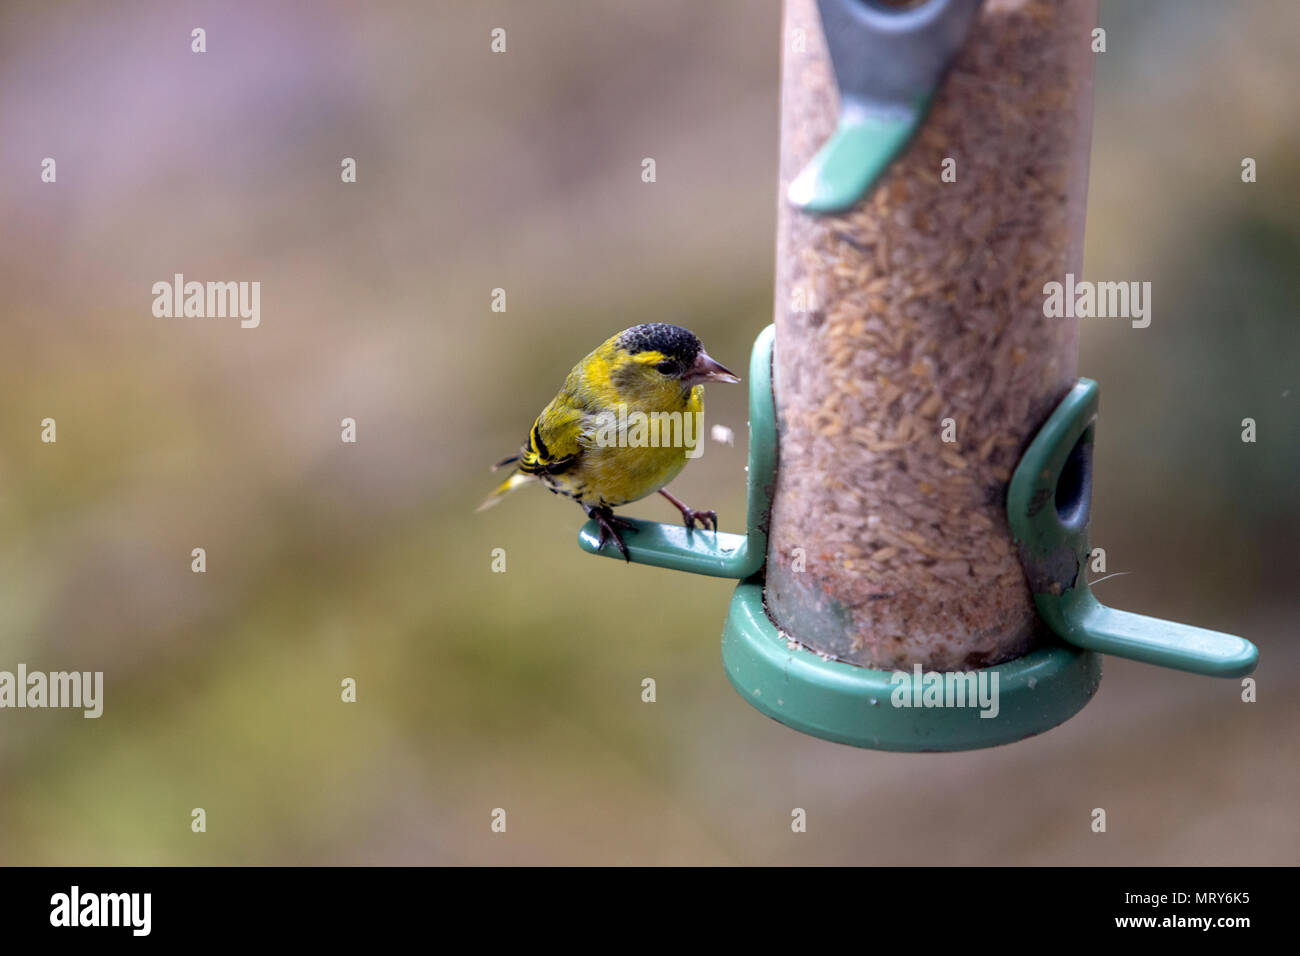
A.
x: 706, y: 369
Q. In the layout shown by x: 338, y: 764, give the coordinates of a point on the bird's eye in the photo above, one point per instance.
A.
x: 667, y: 368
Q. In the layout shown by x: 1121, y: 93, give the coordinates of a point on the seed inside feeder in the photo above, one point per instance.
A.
x: 922, y: 364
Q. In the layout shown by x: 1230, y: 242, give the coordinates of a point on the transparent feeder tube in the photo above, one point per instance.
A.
x: 913, y: 361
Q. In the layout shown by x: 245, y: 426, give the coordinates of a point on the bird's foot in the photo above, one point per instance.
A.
x: 690, y: 515
x: 707, y: 519
x: 610, y: 524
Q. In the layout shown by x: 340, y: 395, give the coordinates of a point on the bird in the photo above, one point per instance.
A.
x: 592, y: 443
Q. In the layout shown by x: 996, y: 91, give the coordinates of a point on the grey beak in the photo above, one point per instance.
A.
x: 706, y: 369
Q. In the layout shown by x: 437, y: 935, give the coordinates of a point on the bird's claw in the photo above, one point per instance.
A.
x: 609, y: 524
x: 690, y: 515
x: 707, y: 519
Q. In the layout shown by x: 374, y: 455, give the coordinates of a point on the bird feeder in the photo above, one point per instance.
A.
x: 913, y: 574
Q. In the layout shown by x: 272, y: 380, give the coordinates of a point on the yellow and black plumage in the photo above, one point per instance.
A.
x: 579, y: 445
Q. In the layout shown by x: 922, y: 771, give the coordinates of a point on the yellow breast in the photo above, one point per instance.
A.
x: 640, y: 453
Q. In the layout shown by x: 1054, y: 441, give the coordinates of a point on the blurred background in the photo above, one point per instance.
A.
x: 522, y: 690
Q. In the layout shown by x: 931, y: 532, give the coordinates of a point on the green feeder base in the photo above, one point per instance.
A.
x: 885, y: 710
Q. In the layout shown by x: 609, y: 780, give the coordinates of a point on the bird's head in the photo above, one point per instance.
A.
x: 660, y: 361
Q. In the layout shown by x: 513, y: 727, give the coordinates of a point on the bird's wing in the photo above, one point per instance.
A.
x: 557, y: 438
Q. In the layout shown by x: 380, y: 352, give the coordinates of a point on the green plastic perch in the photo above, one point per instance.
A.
x: 1049, y: 506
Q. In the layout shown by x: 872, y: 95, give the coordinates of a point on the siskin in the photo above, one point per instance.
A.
x: 581, y: 446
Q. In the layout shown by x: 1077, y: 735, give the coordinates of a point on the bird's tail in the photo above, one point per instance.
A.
x: 516, y: 480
